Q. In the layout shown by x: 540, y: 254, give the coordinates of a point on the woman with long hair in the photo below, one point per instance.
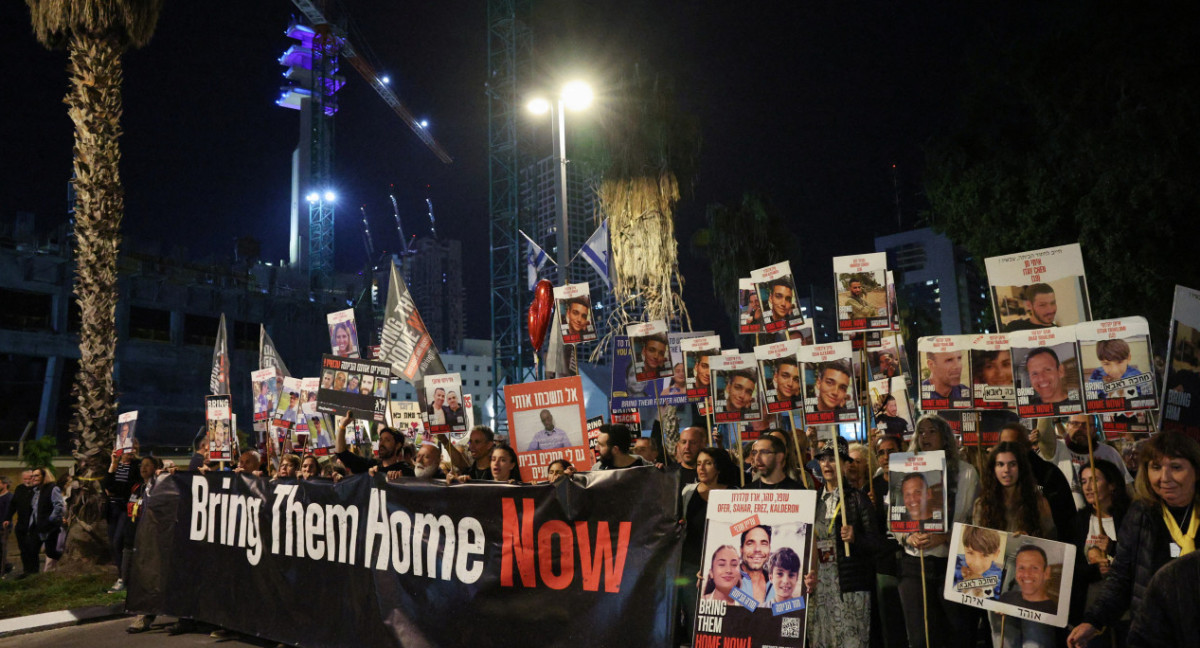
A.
x: 504, y: 465
x: 1010, y: 501
x: 1093, y: 531
x: 715, y: 470
x: 950, y: 624
x: 724, y: 574
x: 1161, y: 524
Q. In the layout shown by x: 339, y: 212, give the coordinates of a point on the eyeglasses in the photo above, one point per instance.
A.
x: 754, y: 452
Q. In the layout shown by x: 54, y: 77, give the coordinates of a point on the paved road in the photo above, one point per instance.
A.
x: 111, y: 634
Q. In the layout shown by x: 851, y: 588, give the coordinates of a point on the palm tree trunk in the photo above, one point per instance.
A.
x: 94, y: 105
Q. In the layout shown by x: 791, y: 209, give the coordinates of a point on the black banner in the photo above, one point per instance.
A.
x: 414, y: 563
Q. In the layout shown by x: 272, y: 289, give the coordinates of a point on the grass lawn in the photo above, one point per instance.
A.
x: 57, y: 591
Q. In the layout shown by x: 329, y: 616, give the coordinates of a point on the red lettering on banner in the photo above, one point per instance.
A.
x: 518, y: 544
x: 566, y: 554
x: 707, y: 641
x: 604, y: 561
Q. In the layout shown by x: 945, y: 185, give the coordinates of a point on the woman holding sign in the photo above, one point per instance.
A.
x: 1093, y: 531
x: 1161, y: 525
x: 715, y: 470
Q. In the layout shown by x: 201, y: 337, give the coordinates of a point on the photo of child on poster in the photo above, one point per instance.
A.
x: 777, y: 290
x: 779, y: 372
x: 945, y: 363
x: 574, y: 306
x: 735, y: 388
x: 992, y: 372
x: 343, y: 335
x: 1118, y: 365
x: 829, y: 392
x: 979, y: 562
x: 757, y: 549
x: 1039, y: 289
x: 126, y: 432
x: 651, y: 350
x: 861, y: 288
x: 917, y: 492
x: 1046, y: 372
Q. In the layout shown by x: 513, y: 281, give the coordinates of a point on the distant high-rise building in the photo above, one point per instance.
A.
x: 434, y: 277
x: 938, y: 283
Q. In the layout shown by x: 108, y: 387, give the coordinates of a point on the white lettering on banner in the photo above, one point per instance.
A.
x: 238, y: 524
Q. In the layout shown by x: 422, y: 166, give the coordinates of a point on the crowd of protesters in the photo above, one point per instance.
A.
x: 1129, y: 512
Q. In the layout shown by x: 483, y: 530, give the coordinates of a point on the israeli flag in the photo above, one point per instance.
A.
x: 595, y: 252
x: 534, y: 261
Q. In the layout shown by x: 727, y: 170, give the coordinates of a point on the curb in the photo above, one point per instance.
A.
x: 62, y: 618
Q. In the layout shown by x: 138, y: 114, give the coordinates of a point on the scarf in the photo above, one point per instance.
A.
x: 1186, y: 542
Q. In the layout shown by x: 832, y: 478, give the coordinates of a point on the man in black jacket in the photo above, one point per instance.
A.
x: 22, y: 507
x: 1168, y: 616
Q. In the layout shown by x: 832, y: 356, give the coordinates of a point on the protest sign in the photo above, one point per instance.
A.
x: 126, y: 432
x: 445, y: 411
x: 1046, y: 371
x: 218, y: 377
x: 1114, y: 425
x: 1181, y: 386
x: 917, y: 492
x: 218, y: 421
x: 804, y: 333
x: 982, y: 427
x: 768, y: 536
x: 986, y: 568
x: 345, y: 377
x: 779, y: 376
x: 695, y: 352
x: 1117, y: 364
x: 651, y: 350
x: 944, y: 361
x: 777, y: 289
x: 889, y: 359
x: 893, y: 304
x: 406, y: 417
x: 343, y: 334
x: 575, y: 322
x: 318, y: 432
x: 546, y: 420
x: 829, y: 391
x: 1038, y: 288
x: 735, y: 387
x: 891, y: 407
x: 750, y: 312
x: 860, y: 285
x: 630, y: 392
x: 992, y: 372
x: 264, y: 384
x: 593, y: 434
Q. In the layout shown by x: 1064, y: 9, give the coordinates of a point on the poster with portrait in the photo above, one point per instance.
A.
x: 945, y: 363
x: 735, y: 387
x: 1046, y: 371
x: 574, y: 307
x: 628, y: 391
x: 1039, y: 288
x: 218, y: 420
x: 892, y: 407
x: 593, y: 435
x: 1016, y: 575
x: 777, y: 293
x: 1181, y: 386
x: 893, y: 304
x: 445, y: 409
x: 860, y: 284
x: 750, y: 311
x: 992, y: 372
x: 917, y: 492
x: 651, y: 350
x: 346, y: 378
x: 981, y: 428
x: 805, y: 333
x: 265, y: 388
x: 1118, y: 366
x: 309, y: 388
x: 546, y: 421
x: 1117, y: 424
x: 768, y: 536
x: 287, y: 414
x: 406, y: 417
x: 829, y: 392
x: 889, y: 360
x: 319, y: 436
x: 696, y: 352
x: 126, y: 432
x: 779, y: 376
x: 343, y: 334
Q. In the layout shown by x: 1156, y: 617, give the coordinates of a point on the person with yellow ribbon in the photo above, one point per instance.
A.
x: 1161, y: 525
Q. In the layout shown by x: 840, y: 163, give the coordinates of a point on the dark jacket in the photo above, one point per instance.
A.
x: 1056, y: 489
x: 887, y: 561
x: 1143, y: 550
x: 48, y: 518
x: 856, y: 573
x: 1085, y: 573
x: 21, y: 505
x: 1169, y: 616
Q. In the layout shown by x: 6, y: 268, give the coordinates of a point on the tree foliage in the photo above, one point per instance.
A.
x: 1085, y: 132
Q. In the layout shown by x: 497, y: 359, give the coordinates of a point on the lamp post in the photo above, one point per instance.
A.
x: 575, y: 95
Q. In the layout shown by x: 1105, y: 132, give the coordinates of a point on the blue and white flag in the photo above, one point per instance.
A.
x: 534, y: 261
x: 595, y: 252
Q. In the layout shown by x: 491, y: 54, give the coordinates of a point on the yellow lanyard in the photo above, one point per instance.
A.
x: 1187, y: 543
x: 834, y: 517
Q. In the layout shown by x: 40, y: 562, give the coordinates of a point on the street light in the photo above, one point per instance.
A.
x: 575, y: 95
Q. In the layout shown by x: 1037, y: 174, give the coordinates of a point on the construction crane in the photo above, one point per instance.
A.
x: 432, y: 223
x: 406, y: 248
x: 367, y: 241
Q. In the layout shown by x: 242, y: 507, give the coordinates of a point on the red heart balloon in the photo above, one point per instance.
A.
x: 540, y: 312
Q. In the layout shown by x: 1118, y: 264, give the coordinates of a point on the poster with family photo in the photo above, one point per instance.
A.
x: 651, y: 350
x: 445, y: 411
x: 1181, y: 386
x: 777, y: 293
x: 917, y: 493
x: 1038, y: 289
x: 860, y: 285
x: 750, y: 312
x: 696, y: 352
x: 574, y: 307
x: 126, y: 432
x: 546, y: 422
x: 829, y: 385
x: 1016, y: 575
x: 218, y: 420
x: 757, y: 548
x: 343, y: 334
x: 779, y: 375
x: 1046, y: 371
x: 992, y: 372
x: 735, y: 387
x: 348, y: 385
x: 891, y: 407
x: 406, y: 417
x: 945, y: 363
x: 264, y: 384
x: 1118, y: 366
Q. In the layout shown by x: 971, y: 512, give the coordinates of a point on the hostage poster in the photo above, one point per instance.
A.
x: 777, y: 289
x: 1046, y: 370
x: 1181, y: 389
x: 828, y: 384
x: 628, y: 391
x: 575, y: 323
x: 861, y: 288
x: 343, y: 334
x: 446, y: 411
x: 1039, y: 289
x: 750, y: 312
x: 126, y: 432
x: 218, y: 419
x: 992, y: 372
x: 1118, y: 367
x: 779, y: 371
x: 695, y: 352
x: 348, y: 384
x: 735, y: 387
x: 757, y: 548
x: 917, y: 492
x: 651, y: 350
x: 546, y: 421
x: 944, y: 359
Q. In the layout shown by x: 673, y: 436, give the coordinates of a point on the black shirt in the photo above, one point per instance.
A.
x: 354, y: 463
x: 787, y: 483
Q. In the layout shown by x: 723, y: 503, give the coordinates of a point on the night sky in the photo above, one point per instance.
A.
x: 810, y: 103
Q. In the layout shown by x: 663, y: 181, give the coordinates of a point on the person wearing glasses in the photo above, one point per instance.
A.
x: 769, y: 456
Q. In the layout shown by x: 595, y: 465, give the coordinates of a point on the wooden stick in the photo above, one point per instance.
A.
x: 1002, y: 618
x: 925, y: 599
x: 737, y: 436
x: 837, y: 461
x: 799, y: 457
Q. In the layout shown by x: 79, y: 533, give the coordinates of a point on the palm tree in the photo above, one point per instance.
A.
x: 95, y: 34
